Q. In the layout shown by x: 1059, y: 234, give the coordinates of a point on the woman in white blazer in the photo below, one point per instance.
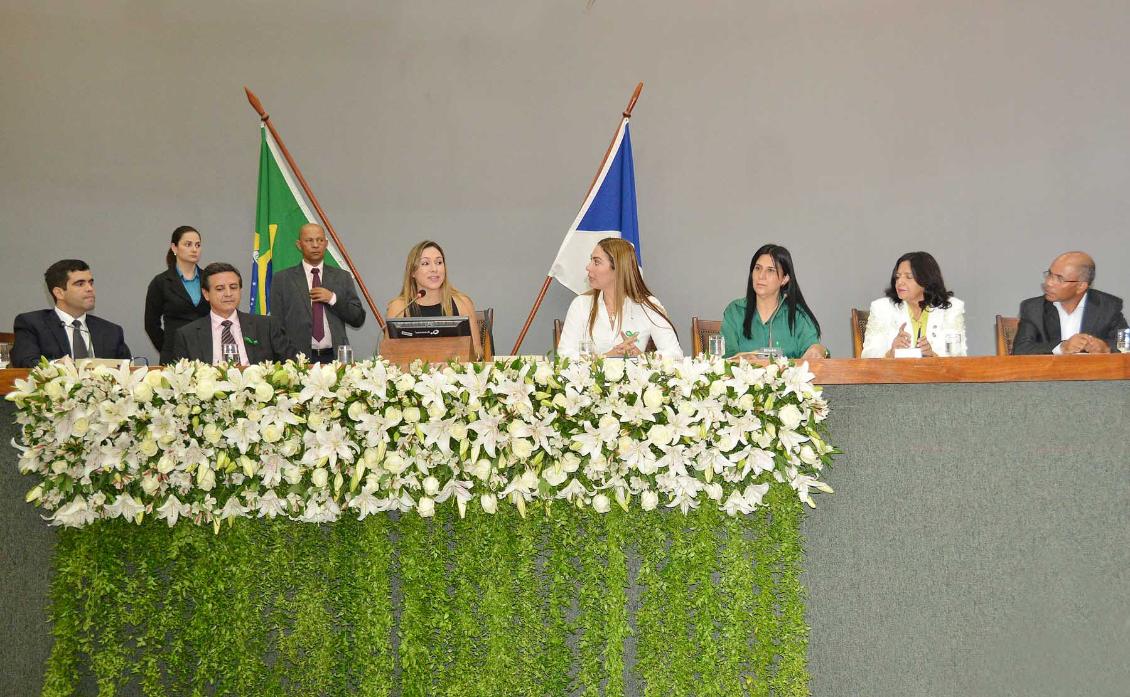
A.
x: 619, y: 315
x: 916, y: 311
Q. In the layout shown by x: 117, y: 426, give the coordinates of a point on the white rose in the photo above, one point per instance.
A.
x: 489, y: 503
x: 480, y: 470
x: 148, y: 447
x: 625, y: 445
x: 570, y: 462
x: 543, y: 373
x: 608, y: 421
x: 394, y: 463
x: 808, y: 455
x: 437, y: 410
x: 393, y: 416
x: 613, y: 370
x: 555, y: 476
x: 271, y: 433
x: 315, y: 421
x: 601, y: 504
x: 212, y: 433
x: 412, y: 415
x: 789, y: 416
x: 356, y: 410
x: 290, y: 447
x: 649, y: 500
x: 80, y: 426
x: 57, y: 467
x: 717, y: 388
x: 264, y: 392
x: 153, y: 378
x: 652, y: 397
x: 143, y: 392
x: 521, y: 448
x: 659, y: 435
x: 431, y: 485
x: 54, y: 390
x: 292, y: 474
x: 166, y: 464
x: 426, y: 507
x: 150, y: 484
x: 205, y: 389
x: 459, y: 431
x: 405, y: 382
x: 320, y: 477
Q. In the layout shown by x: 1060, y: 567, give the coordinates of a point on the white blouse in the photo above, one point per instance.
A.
x: 886, y: 318
x: 635, y: 318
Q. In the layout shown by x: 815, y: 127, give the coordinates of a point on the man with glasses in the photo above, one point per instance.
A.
x: 1071, y: 316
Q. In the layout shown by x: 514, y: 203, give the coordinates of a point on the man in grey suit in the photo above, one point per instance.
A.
x: 252, y: 338
x: 313, y: 301
x: 1071, y: 316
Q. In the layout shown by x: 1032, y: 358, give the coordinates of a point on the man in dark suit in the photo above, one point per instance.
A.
x: 314, y: 301
x: 254, y: 338
x: 1070, y: 317
x: 66, y: 329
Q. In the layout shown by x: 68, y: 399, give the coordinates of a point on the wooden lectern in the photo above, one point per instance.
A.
x: 432, y: 349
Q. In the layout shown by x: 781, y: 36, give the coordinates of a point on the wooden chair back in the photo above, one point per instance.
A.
x: 486, y: 331
x: 858, y: 329
x: 700, y: 329
x: 7, y: 338
x: 1006, y: 334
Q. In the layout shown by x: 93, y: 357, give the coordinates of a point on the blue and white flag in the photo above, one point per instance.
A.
x: 608, y: 211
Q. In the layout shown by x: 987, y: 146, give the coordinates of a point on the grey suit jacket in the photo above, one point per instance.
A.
x: 263, y: 340
x: 290, y: 303
x: 1039, y: 331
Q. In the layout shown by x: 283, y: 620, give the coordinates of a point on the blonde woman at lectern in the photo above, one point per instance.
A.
x: 426, y: 291
x: 619, y: 315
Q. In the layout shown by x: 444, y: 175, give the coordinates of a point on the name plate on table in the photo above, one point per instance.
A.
x: 908, y: 353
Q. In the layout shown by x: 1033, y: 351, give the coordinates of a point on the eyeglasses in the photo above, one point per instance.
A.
x: 1049, y: 276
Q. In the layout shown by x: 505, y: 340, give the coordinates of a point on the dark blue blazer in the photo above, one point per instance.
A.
x: 41, y: 333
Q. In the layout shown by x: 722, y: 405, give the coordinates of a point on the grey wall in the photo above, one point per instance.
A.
x: 993, y: 134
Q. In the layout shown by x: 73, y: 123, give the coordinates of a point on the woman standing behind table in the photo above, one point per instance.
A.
x: 916, y: 312
x: 174, y: 298
x: 773, y: 312
x: 619, y: 315
x: 426, y: 291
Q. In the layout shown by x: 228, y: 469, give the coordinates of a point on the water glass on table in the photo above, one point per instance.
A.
x: 345, y: 353
x: 1122, y: 342
x: 230, y: 354
x: 715, y: 345
x: 5, y: 354
x: 588, y: 349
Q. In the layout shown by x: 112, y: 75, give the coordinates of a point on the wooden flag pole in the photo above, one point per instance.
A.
x: 266, y: 119
x: 549, y: 279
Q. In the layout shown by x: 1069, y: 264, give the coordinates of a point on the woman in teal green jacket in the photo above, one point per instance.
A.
x: 773, y: 312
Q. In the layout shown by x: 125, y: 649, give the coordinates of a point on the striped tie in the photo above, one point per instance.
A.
x: 226, y: 337
x: 77, y: 342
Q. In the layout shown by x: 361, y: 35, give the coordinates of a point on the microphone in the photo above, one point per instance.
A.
x: 419, y: 296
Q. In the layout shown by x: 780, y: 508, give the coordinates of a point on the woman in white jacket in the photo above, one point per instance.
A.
x: 619, y: 315
x: 916, y: 312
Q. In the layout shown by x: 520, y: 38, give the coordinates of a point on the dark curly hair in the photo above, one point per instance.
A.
x: 927, y: 274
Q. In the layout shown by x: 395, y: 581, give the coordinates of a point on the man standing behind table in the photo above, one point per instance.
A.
x: 313, y: 301
x: 256, y: 338
x: 66, y: 329
x: 1071, y: 317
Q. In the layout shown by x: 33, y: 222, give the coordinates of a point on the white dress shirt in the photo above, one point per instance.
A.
x: 218, y: 332
x: 887, y: 318
x: 635, y: 318
x: 69, y: 330
x: 327, y: 340
x: 1070, y: 323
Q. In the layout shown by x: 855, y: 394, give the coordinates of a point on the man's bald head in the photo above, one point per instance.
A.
x: 1081, y: 262
x: 312, y: 243
x: 1068, y: 278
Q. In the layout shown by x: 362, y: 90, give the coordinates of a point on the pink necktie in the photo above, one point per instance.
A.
x: 318, y: 322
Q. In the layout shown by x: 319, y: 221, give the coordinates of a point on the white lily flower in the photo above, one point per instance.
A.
x: 172, y: 510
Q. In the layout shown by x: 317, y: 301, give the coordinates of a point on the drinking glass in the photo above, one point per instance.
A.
x: 953, y: 344
x: 716, y: 345
x: 230, y: 354
x: 345, y: 353
x: 5, y: 354
x: 1123, y: 341
x: 587, y: 348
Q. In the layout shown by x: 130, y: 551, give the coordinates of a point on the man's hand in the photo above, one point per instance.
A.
x: 321, y: 294
x: 1095, y: 344
x: 1076, y: 344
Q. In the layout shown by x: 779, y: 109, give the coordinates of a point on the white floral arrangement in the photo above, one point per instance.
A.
x: 310, y: 442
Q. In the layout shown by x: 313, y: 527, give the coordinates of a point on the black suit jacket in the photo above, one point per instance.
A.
x: 1039, y: 331
x: 263, y: 340
x: 290, y: 303
x: 168, y: 307
x: 41, y: 333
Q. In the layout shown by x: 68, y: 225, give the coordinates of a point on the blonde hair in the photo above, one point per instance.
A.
x: 409, y: 291
x: 629, y: 282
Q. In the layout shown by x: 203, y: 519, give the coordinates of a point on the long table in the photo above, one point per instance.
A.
x: 978, y: 541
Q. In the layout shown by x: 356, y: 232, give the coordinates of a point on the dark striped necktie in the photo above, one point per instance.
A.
x: 226, y: 337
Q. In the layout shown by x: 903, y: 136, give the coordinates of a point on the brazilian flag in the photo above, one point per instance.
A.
x: 279, y: 214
